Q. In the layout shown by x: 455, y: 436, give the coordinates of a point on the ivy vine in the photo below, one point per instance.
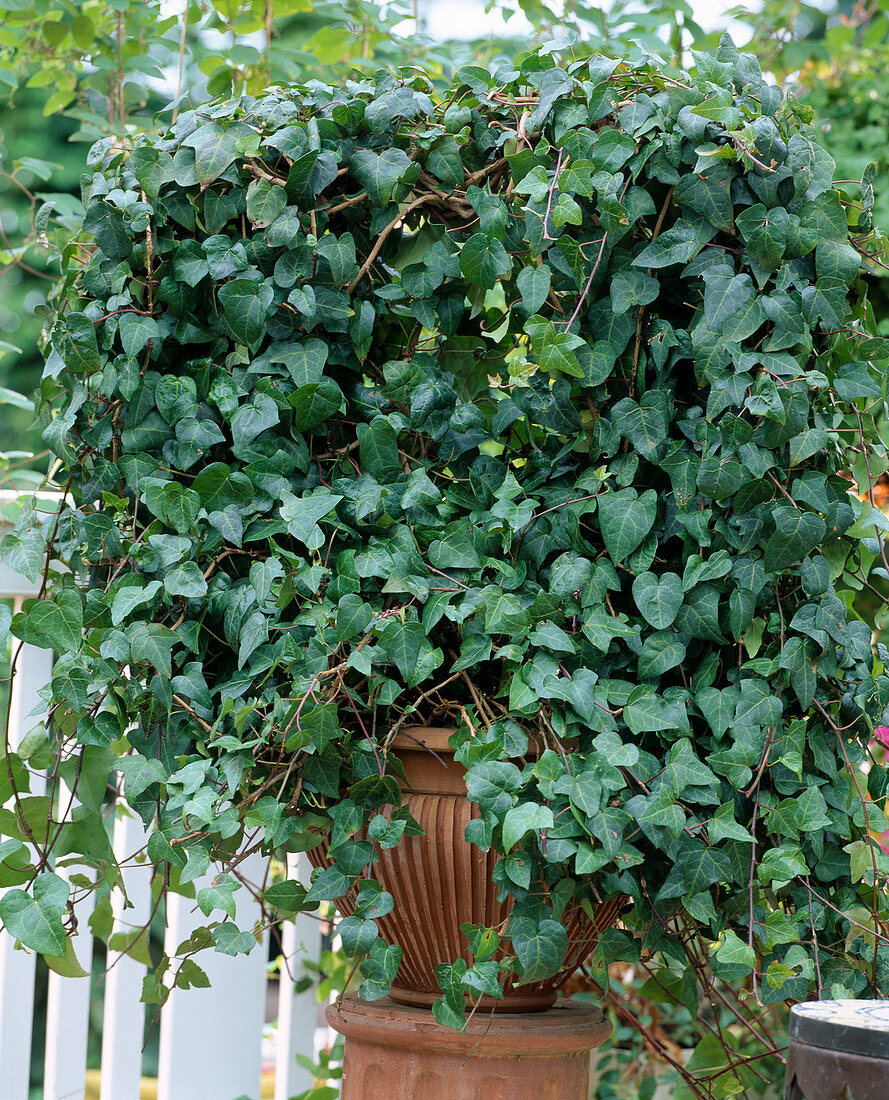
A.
x: 545, y: 405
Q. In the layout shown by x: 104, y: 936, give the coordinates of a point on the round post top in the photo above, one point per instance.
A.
x: 858, y: 1027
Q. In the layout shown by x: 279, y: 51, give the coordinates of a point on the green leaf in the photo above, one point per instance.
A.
x: 738, y: 956
x: 796, y: 533
x: 491, y: 785
x: 265, y: 201
x: 540, y: 946
x: 675, y: 246
x: 247, y: 305
x: 631, y: 288
x: 612, y: 150
x: 378, y: 450
x: 152, y: 643
x: 252, y: 419
x: 219, y: 895
x: 658, y: 598
x: 484, y: 260
x: 328, y: 884
x: 67, y: 965
x: 644, y: 424
x: 725, y: 294
x: 75, y: 336
x: 358, y: 935
x: 140, y: 773
x: 524, y: 818
x: 135, y: 332
x: 52, y: 624
x: 216, y: 147
x: 152, y: 168
x: 130, y: 596
x: 185, y: 580
x: 660, y: 652
x: 35, y: 919
x: 408, y: 647
x: 230, y: 940
x: 302, y: 515
x: 314, y: 403
x: 709, y: 194
x: 533, y: 284
x: 625, y: 518
x: 378, y: 174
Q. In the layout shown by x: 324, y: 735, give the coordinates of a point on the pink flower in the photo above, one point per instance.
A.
x: 881, y: 736
x: 883, y: 840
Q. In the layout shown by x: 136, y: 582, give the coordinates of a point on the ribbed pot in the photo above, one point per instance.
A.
x: 440, y: 881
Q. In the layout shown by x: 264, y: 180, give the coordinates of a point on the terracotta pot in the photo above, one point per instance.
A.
x: 440, y: 881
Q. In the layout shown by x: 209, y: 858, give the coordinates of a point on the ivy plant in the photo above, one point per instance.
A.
x: 548, y: 405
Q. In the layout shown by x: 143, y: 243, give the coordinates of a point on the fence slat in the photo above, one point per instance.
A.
x: 33, y: 671
x: 211, y: 1039
x: 297, y: 1012
x: 123, y: 1012
x: 68, y: 1005
x: 67, y: 1024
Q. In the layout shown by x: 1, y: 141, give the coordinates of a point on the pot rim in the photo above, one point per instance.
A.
x: 423, y: 738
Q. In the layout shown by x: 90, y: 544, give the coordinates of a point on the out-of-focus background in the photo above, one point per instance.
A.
x: 74, y: 71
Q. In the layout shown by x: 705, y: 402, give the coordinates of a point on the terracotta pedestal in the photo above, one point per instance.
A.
x: 394, y: 1050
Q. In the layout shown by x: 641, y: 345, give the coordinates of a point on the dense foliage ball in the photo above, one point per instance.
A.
x: 533, y: 409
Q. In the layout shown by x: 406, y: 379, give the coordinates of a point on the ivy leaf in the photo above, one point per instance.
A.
x: 251, y: 420
x: 379, y: 173
x: 524, y: 818
x: 216, y: 146
x: 709, y: 194
x: 660, y: 652
x: 725, y: 294
x: 644, y: 424
x: 135, y: 332
x: 631, y: 288
x: 56, y: 624
x: 484, y: 260
x: 265, y: 201
x: 358, y: 935
x: 152, y: 168
x: 219, y: 895
x: 533, y: 284
x: 75, y: 335
x: 658, y: 598
x: 246, y: 306
x: 491, y: 784
x: 625, y: 518
x: 230, y: 940
x: 302, y: 514
x: 153, y: 643
x: 796, y: 534
x: 540, y: 946
x: 328, y: 884
x: 35, y: 919
x: 185, y: 580
x: 130, y: 596
x: 409, y: 648
x: 676, y: 246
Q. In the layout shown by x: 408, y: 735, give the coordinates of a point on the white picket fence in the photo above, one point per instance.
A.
x: 210, y: 1039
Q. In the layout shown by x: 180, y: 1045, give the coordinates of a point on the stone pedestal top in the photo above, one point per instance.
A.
x: 395, y: 1050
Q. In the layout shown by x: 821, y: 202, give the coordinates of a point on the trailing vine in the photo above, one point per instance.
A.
x: 547, y: 408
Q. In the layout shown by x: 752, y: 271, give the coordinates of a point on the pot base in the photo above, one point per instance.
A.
x: 515, y: 1002
x: 394, y: 1050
